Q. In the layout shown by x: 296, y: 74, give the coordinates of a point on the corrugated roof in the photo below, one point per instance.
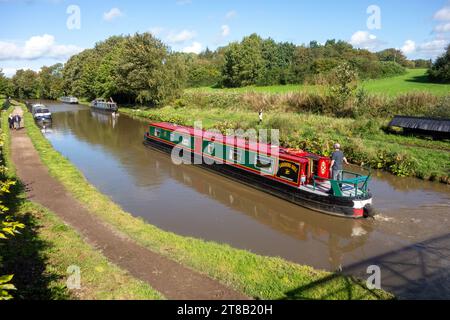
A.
x: 427, y: 124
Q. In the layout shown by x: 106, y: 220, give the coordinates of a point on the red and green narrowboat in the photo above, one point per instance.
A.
x: 294, y: 175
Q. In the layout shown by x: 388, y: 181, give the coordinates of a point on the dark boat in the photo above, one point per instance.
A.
x: 294, y: 175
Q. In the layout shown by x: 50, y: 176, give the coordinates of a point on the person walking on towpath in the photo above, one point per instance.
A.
x: 11, y: 121
x: 17, y: 121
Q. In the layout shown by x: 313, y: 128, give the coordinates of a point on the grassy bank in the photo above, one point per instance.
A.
x: 415, y: 80
x: 364, y: 141
x: 40, y: 255
x: 257, y: 276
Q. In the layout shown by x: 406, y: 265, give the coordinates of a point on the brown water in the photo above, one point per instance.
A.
x: 410, y: 240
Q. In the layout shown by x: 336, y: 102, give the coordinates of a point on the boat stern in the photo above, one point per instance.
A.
x: 363, y: 208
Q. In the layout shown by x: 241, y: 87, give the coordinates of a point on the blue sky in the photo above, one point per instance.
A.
x: 34, y: 33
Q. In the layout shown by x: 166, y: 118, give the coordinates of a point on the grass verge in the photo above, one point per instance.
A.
x: 40, y: 256
x: 257, y: 276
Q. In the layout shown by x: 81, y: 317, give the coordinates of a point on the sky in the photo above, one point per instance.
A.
x: 34, y: 33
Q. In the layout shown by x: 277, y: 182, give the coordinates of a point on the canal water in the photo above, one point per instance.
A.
x: 409, y: 240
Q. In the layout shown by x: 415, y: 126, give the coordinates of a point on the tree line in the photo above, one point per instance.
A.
x: 142, y: 69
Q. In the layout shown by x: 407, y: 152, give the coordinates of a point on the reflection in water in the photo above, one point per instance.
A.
x: 192, y: 201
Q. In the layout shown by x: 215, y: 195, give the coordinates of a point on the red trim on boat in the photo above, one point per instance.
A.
x: 358, y: 213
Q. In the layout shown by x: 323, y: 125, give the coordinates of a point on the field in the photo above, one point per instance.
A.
x: 415, y: 80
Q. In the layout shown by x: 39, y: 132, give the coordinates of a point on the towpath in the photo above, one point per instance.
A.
x: 170, y: 278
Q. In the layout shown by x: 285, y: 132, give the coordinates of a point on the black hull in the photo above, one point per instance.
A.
x: 330, y: 205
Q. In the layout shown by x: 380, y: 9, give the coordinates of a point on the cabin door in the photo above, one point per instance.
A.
x: 310, y: 170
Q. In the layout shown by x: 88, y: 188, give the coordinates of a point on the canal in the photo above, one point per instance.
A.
x: 409, y: 240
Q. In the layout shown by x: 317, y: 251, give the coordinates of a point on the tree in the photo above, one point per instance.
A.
x: 244, y: 63
x: 440, y: 70
x: 26, y: 84
x: 422, y: 63
x: 346, y: 84
x: 394, y: 55
x: 148, y: 72
x: 203, y: 69
x: 6, y: 86
x: 51, y: 82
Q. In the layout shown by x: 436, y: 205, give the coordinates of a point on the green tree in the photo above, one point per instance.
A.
x: 26, y: 84
x: 148, y: 72
x: 440, y: 70
x: 51, y: 82
x: 394, y: 55
x: 346, y: 83
x: 244, y: 63
x: 3, y: 83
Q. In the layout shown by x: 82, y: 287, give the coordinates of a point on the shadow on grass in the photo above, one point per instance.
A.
x: 343, y: 292
x: 417, y: 271
x: 24, y: 256
x: 420, y: 79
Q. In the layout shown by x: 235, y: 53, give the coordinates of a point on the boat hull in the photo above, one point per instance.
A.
x: 354, y: 208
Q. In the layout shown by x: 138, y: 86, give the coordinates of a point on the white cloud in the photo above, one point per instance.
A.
x: 433, y: 48
x: 443, y: 14
x: 112, y: 14
x: 156, y: 31
x: 35, y: 48
x: 231, y: 14
x: 180, y: 37
x: 9, y: 72
x: 409, y: 47
x: 225, y: 30
x: 196, y: 47
x: 365, y: 40
x: 441, y: 28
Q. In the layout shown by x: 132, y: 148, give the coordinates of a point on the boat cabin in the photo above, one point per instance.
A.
x: 291, y: 167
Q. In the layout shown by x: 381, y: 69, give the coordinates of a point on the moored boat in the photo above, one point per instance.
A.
x: 102, y: 104
x: 69, y: 100
x: 294, y: 175
x: 40, y: 112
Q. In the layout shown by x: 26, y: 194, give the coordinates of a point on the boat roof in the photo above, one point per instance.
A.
x: 296, y: 155
x: 422, y: 123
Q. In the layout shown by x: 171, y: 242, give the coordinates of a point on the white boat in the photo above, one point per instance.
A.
x: 70, y: 100
x: 40, y: 112
x: 102, y: 104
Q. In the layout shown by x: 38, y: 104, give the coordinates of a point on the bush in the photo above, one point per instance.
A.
x: 8, y: 226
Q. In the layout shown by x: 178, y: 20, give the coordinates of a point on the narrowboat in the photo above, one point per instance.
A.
x: 102, y: 104
x: 40, y: 112
x: 294, y: 175
x: 69, y: 100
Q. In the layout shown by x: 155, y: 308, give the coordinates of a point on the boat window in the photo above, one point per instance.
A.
x: 264, y: 163
x: 186, y: 141
x: 157, y: 132
x: 235, y: 155
x: 210, y: 148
